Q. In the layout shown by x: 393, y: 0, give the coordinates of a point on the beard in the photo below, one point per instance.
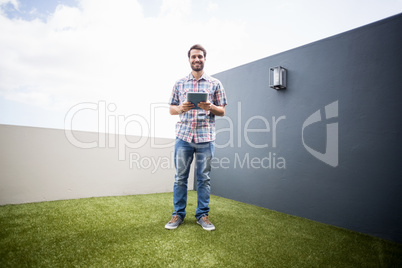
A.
x: 198, y: 68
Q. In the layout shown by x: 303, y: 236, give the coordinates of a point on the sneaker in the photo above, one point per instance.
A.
x: 205, y: 223
x: 174, y: 223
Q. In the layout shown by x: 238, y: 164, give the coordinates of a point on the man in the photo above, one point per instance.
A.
x: 195, y: 136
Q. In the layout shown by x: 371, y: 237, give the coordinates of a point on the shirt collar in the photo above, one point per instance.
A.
x: 204, y: 76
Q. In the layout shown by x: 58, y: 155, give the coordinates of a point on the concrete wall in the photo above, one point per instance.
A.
x: 38, y: 164
x: 327, y: 148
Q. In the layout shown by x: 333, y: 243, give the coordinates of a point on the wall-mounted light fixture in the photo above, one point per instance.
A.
x: 277, y: 77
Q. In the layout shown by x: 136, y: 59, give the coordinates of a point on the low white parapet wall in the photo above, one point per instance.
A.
x: 39, y: 164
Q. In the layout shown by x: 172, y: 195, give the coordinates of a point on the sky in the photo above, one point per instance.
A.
x: 110, y: 66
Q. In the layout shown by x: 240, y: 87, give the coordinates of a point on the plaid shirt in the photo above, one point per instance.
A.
x: 197, y: 125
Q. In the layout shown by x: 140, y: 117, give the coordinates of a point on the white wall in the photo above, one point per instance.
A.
x: 38, y: 164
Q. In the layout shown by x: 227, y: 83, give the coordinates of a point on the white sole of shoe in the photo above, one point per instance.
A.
x: 206, y: 228
x: 171, y: 227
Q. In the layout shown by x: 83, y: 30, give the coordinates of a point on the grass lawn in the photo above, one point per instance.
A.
x: 128, y: 231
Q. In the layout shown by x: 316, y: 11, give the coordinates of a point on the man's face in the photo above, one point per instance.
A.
x: 197, y: 60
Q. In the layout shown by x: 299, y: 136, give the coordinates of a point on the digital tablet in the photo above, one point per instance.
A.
x: 197, y: 97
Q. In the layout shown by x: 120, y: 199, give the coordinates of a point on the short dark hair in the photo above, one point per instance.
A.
x: 199, y: 47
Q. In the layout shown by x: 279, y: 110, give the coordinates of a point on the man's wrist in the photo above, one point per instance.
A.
x: 180, y: 109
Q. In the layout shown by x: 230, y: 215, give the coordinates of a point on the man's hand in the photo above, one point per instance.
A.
x: 186, y: 106
x: 205, y: 105
x: 216, y: 110
x: 182, y: 108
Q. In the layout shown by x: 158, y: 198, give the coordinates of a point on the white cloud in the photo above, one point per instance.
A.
x: 176, y: 8
x: 212, y: 7
x: 107, y: 50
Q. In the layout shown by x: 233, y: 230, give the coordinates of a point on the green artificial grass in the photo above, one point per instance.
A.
x: 128, y: 231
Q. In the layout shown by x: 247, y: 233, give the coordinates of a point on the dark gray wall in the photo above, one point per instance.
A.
x: 357, y: 75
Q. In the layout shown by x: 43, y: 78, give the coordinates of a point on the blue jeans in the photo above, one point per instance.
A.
x: 183, y: 156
